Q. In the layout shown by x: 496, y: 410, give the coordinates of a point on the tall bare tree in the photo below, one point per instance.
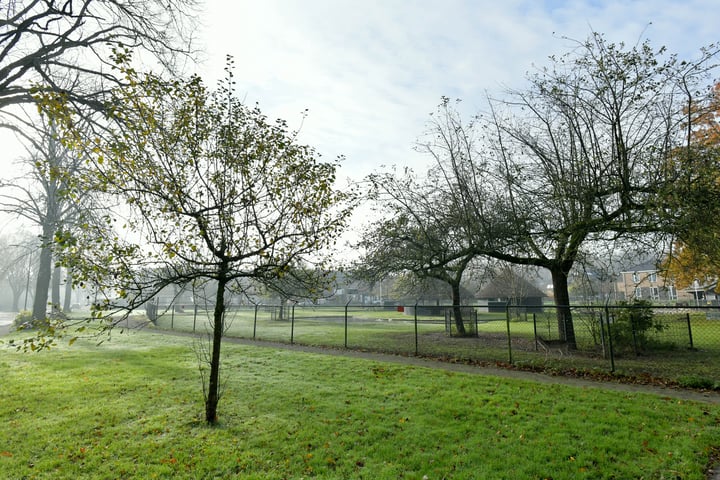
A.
x: 47, y: 198
x: 67, y: 50
x: 17, y: 265
x: 579, y: 156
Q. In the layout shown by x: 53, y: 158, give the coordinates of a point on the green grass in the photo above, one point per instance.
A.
x: 131, y: 408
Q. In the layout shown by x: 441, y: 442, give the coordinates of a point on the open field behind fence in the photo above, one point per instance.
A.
x: 677, y: 344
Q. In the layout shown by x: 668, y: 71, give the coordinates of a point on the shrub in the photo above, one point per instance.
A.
x: 633, y: 324
x: 24, y: 321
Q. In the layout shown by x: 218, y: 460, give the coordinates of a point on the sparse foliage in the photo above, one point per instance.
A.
x: 211, y: 192
x: 578, y: 157
x: 63, y: 45
x: 418, y: 235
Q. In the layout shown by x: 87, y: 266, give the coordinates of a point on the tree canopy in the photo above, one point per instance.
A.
x: 696, y: 251
x: 579, y: 156
x: 209, y: 191
x: 63, y: 45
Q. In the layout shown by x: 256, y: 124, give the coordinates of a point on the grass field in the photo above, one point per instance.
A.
x: 131, y: 408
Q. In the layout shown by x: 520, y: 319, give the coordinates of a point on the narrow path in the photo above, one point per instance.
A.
x: 6, y: 321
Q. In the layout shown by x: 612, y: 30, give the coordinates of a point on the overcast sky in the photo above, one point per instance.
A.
x: 371, y: 71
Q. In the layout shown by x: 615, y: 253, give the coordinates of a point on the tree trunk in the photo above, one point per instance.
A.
x: 67, y: 302
x: 213, y: 392
x: 457, y: 310
x: 566, y: 329
x: 55, y: 298
x: 44, y: 273
x: 16, y: 299
x: 281, y: 310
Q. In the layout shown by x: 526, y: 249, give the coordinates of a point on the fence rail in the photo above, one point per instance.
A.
x: 680, y: 344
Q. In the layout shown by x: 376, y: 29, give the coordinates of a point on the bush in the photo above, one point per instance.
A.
x: 633, y: 324
x: 23, y: 319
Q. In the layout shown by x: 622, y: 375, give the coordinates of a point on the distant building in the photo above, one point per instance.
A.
x: 645, y: 281
x: 510, y: 288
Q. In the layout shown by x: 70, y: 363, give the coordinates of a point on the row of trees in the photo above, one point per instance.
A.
x: 606, y: 146
x: 63, y: 47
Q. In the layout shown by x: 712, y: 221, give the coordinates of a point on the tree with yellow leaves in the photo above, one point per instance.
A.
x: 696, y: 253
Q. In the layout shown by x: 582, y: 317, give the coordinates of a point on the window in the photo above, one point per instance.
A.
x: 672, y: 293
x: 638, y: 292
x: 654, y: 293
x: 636, y: 277
x: 653, y: 277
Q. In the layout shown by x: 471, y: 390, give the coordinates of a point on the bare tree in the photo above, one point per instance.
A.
x: 580, y: 156
x: 49, y: 197
x: 17, y: 265
x: 67, y: 50
x: 419, y: 234
x: 63, y: 46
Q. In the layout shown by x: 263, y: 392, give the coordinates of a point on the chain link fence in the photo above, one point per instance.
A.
x: 680, y: 344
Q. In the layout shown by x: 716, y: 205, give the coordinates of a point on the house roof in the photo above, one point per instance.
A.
x: 510, y: 286
x: 642, y: 267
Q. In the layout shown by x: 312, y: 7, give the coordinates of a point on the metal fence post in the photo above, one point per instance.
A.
x: 416, y: 328
x: 509, y: 340
x: 346, y: 321
x: 292, y: 324
x: 535, y: 330
x: 687, y: 315
x: 610, y: 340
x: 172, y: 316
x: 257, y: 306
x: 477, y: 332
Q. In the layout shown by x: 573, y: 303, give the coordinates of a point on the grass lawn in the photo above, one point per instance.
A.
x: 132, y: 408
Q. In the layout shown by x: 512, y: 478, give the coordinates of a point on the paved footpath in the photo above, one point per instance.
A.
x: 6, y: 321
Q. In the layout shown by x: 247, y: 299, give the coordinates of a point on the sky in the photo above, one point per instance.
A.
x: 370, y: 72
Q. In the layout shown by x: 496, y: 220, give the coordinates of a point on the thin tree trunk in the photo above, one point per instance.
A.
x: 16, y: 299
x: 44, y: 273
x: 55, y: 299
x: 67, y: 303
x: 213, y: 392
x: 457, y: 310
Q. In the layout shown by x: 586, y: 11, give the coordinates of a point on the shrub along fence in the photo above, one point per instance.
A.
x: 680, y: 344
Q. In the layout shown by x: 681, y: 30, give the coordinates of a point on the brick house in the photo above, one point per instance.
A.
x: 644, y: 281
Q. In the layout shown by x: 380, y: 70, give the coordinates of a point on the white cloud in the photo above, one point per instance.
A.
x: 369, y: 72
